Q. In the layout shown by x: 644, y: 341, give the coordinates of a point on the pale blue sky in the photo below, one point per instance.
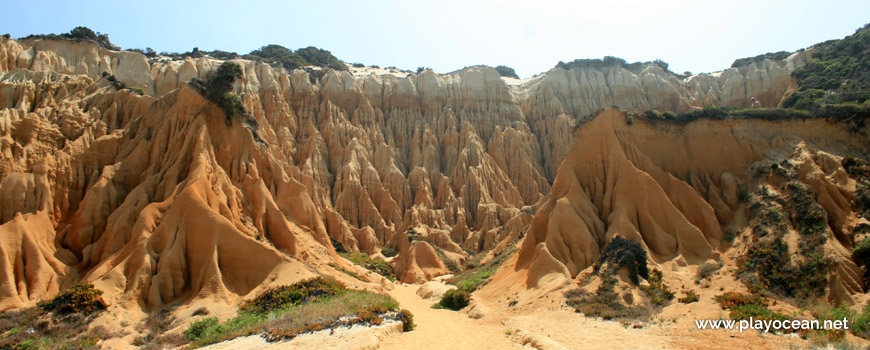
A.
x: 531, y: 35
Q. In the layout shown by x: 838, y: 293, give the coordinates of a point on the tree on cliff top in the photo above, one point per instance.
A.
x: 309, y: 56
x: 506, y: 71
x: 80, y: 33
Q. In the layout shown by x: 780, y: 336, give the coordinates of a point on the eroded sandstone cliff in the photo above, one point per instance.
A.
x: 676, y: 188
x: 155, y: 199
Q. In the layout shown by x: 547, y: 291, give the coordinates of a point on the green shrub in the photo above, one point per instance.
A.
x: 370, y: 318
x: 407, y: 320
x: 771, y: 261
x: 454, y: 299
x: 656, y: 289
x: 861, y: 252
x: 859, y: 169
x: 84, y: 298
x: 604, y: 303
x: 309, y: 56
x: 731, y: 300
x: 756, y: 312
x: 201, y: 328
x: 85, y: 33
x: 232, y: 105
x: 347, y: 308
x: 379, y: 266
x: 861, y: 324
x: 221, y: 82
x: 619, y: 253
x: 217, y: 88
x: 389, y: 252
x: 774, y: 56
x: 690, y: 297
x: 506, y: 71
x: 295, y: 294
x: 610, y: 61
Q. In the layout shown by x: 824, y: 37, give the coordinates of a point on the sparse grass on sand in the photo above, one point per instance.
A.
x: 344, y: 308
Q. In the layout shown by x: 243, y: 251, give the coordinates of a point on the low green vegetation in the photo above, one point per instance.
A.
x: 379, y: 266
x: 388, y: 252
x: 706, y: 270
x: 773, y: 56
x: 689, y: 296
x: 407, y: 320
x: 861, y: 252
x: 155, y: 327
x: 346, y: 272
x: 838, y: 74
x: 851, y: 114
x: 610, y: 61
x: 471, y: 280
x: 285, y: 312
x: 772, y: 263
x: 656, y: 289
x: 61, y: 323
x: 605, y: 302
x: 83, y: 298
x: 860, y: 324
x: 769, y: 266
x: 302, y: 292
x: 454, y: 299
x: 744, y: 306
x: 859, y: 169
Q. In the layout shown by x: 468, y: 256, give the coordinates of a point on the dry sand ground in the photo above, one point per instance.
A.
x: 554, y: 327
x: 548, y: 326
x: 444, y: 329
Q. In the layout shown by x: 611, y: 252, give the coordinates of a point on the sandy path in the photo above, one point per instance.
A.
x: 444, y: 329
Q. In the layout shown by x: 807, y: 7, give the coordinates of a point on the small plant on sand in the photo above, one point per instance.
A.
x: 690, y: 297
x: 706, y: 270
x: 82, y: 298
x: 407, y: 320
x: 656, y: 289
x: 454, y: 299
